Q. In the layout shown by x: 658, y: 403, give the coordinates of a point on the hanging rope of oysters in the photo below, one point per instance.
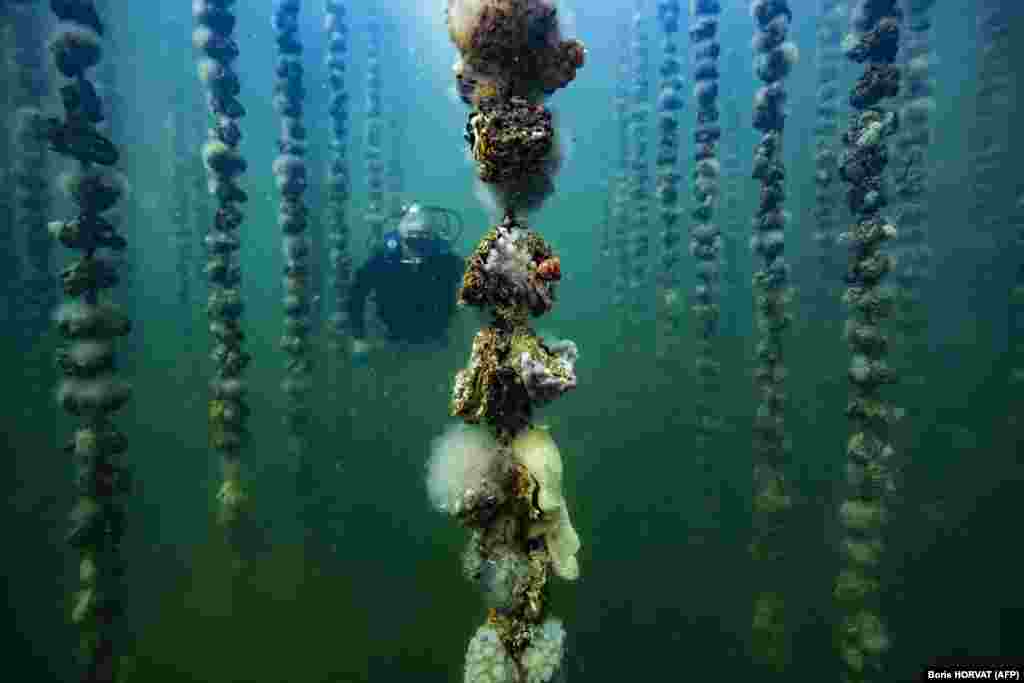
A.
x: 705, y: 234
x: 668, y: 311
x: 829, y: 59
x: 620, y: 189
x: 1017, y: 299
x: 498, y: 474
x: 910, y: 247
x: 375, y: 214
x: 640, y: 185
x: 35, y: 296
x: 338, y: 178
x: 774, y: 60
x: 92, y: 388
x: 989, y: 149
x: 874, y: 41
x: 228, y: 406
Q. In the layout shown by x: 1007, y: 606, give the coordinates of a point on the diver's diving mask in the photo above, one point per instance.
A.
x: 426, y: 231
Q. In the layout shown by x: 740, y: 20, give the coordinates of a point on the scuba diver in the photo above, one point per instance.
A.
x: 415, y: 275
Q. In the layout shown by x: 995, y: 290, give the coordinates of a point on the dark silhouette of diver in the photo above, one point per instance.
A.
x: 415, y: 276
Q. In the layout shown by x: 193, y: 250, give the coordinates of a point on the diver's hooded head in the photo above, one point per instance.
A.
x: 416, y: 237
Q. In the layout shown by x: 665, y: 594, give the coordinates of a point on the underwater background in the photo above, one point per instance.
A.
x: 361, y: 579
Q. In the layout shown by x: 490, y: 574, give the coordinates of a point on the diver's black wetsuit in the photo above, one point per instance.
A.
x: 415, y: 301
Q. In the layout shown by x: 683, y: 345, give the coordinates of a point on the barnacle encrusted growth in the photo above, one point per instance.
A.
x: 511, y: 57
x: 509, y: 493
x: 516, y: 152
x: 510, y: 140
x: 510, y: 48
x: 511, y: 273
x: 508, y: 374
